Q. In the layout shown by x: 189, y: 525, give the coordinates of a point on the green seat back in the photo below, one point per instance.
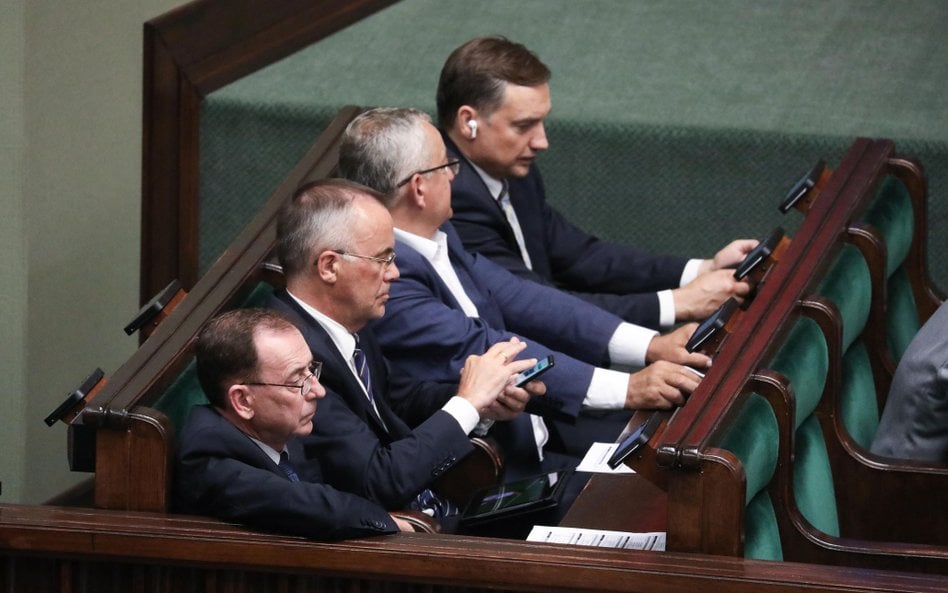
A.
x: 892, y: 214
x: 761, y: 534
x: 849, y: 286
x: 902, y: 321
x: 859, y: 407
x: 804, y: 360
x: 813, y: 488
x: 753, y: 438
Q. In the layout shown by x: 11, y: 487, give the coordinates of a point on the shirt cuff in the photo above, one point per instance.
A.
x: 691, y: 271
x: 629, y: 344
x: 666, y: 309
x: 607, y: 390
x: 464, y: 412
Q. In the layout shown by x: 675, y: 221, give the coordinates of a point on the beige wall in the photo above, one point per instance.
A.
x: 70, y: 163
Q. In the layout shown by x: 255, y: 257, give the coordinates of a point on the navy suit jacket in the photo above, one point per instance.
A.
x: 618, y: 278
x: 426, y: 333
x: 222, y: 473
x: 374, y: 454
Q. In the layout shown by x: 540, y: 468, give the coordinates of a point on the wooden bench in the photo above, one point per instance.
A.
x: 757, y: 462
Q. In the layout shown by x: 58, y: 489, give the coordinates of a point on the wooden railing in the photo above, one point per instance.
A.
x: 189, y: 53
x: 80, y: 550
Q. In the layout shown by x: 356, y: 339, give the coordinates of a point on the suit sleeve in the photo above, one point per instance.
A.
x: 484, y: 231
x: 392, y: 474
x: 430, y: 339
x: 585, y: 262
x: 211, y: 482
x: 415, y: 401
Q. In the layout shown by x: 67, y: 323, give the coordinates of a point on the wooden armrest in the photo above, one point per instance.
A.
x: 483, y: 468
x: 421, y: 522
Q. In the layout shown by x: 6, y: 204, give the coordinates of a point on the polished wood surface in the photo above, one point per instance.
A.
x: 58, y: 549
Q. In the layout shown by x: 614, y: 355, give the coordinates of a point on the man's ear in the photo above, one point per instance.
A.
x: 326, y: 265
x: 466, y: 122
x: 241, y: 401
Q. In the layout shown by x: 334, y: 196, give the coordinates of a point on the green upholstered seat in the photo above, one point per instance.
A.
x: 902, y: 319
x: 892, y: 214
x: 804, y: 360
x: 761, y: 534
x: 849, y: 286
x: 753, y: 438
x: 858, y: 404
x: 813, y: 489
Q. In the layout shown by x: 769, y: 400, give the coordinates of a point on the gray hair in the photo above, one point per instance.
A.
x: 318, y: 217
x: 383, y: 146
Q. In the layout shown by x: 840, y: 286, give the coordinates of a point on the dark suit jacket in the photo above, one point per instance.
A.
x: 617, y: 278
x: 375, y: 455
x: 426, y: 333
x: 222, y: 473
x: 914, y: 423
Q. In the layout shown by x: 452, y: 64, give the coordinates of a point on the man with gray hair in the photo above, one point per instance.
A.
x: 336, y: 245
x: 449, y: 303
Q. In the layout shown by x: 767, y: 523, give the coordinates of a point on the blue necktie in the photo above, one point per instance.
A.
x: 358, y: 357
x: 433, y: 505
x: 287, y: 468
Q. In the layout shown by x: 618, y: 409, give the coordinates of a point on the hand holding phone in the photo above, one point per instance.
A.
x: 535, y: 371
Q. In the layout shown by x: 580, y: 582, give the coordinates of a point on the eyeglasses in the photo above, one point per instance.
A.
x: 315, y: 370
x: 385, y: 261
x: 454, y: 165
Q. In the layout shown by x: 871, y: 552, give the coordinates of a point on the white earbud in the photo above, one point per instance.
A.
x: 473, y: 125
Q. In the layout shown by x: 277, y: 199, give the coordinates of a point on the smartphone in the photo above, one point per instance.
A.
x: 535, y: 371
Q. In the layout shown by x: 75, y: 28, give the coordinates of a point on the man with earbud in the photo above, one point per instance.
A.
x: 493, y: 97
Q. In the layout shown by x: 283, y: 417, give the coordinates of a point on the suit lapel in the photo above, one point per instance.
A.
x: 337, y: 375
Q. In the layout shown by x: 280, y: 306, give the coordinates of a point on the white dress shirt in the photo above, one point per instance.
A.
x: 459, y: 408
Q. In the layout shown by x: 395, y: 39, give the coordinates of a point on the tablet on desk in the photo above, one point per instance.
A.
x: 515, y: 498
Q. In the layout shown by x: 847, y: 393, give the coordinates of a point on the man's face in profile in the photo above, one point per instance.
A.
x: 509, y: 139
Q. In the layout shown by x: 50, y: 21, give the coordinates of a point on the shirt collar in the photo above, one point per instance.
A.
x: 426, y: 247
x: 272, y: 453
x: 340, y: 336
x: 494, y: 186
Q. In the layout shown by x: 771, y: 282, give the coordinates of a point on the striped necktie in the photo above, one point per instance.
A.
x: 361, y: 366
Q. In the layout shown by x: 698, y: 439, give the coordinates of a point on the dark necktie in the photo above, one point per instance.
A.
x: 358, y: 357
x: 287, y: 468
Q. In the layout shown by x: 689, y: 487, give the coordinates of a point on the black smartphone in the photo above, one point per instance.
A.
x: 535, y: 371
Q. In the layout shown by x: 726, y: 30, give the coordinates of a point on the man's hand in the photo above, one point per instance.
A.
x: 484, y: 377
x: 512, y: 401
x: 660, y: 386
x: 729, y: 256
x: 671, y: 348
x: 402, y: 524
x: 703, y: 295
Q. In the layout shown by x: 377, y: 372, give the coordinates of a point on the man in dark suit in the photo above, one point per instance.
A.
x: 448, y: 304
x: 240, y: 458
x: 914, y: 423
x: 336, y: 246
x: 493, y: 97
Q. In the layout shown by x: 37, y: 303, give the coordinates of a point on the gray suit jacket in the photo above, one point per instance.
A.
x: 914, y: 424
